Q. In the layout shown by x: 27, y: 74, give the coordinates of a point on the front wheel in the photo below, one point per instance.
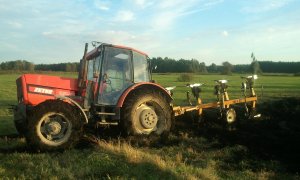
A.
x: 54, y: 125
x: 147, y: 113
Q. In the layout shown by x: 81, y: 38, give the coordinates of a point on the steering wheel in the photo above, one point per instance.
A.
x: 106, y: 79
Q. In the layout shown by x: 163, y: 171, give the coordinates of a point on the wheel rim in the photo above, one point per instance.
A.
x: 148, y: 117
x: 54, y: 129
x: 230, y: 116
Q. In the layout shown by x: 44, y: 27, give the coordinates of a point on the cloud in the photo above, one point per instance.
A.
x: 124, y: 16
x: 47, y: 33
x: 172, y: 10
x: 225, y: 33
x: 164, y: 20
x: 102, y: 4
x: 143, y: 3
x: 172, y: 3
x: 258, y: 6
x: 14, y: 24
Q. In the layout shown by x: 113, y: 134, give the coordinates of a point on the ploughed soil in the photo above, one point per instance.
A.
x: 274, y: 136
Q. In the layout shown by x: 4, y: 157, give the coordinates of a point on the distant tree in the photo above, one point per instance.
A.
x: 241, y: 68
x: 227, y: 68
x: 29, y: 66
x: 202, y: 68
x: 194, y: 66
x: 255, y: 67
x: 213, y: 68
x: 68, y: 67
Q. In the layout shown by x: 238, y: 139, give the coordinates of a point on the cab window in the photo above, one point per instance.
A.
x: 141, y: 72
x: 90, y: 69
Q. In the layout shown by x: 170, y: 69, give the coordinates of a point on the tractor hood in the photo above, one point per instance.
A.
x: 51, y: 81
x: 34, y: 88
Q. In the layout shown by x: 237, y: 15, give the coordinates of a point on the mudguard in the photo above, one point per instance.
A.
x: 71, y: 101
x: 147, y: 85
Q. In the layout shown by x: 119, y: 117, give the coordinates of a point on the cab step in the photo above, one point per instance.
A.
x: 106, y: 113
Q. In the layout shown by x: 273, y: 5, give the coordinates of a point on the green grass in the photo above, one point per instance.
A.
x: 205, y: 153
x: 8, y: 91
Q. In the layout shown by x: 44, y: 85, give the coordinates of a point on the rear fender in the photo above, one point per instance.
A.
x: 146, y: 85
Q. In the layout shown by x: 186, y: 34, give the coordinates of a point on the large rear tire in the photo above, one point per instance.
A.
x: 146, y: 113
x: 54, y: 125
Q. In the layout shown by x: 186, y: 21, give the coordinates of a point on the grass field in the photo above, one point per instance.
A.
x: 264, y: 149
x: 267, y: 86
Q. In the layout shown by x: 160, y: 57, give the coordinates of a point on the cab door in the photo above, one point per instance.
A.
x: 93, y: 71
x: 116, y: 75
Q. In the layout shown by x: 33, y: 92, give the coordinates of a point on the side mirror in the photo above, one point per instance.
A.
x: 153, y: 68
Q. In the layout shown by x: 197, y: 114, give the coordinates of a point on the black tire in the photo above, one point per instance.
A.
x: 145, y: 114
x: 54, y: 125
x: 21, y: 127
x: 20, y: 120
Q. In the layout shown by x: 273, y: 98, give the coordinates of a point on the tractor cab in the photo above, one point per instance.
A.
x: 110, y: 70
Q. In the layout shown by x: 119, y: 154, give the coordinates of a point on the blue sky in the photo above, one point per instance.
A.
x: 211, y: 31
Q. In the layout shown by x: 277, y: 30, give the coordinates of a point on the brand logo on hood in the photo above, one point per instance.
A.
x: 43, y: 90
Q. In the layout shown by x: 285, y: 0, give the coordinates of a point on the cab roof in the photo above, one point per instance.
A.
x: 93, y: 53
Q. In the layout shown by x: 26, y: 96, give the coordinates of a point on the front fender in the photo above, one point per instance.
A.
x: 71, y: 101
x: 19, y: 112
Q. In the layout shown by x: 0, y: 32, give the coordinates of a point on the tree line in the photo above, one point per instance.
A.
x: 67, y: 67
x: 23, y: 65
x: 169, y: 65
x: 18, y: 65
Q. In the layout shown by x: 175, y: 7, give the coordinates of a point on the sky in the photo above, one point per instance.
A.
x: 211, y: 31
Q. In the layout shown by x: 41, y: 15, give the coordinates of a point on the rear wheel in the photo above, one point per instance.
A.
x: 54, y: 125
x: 146, y: 113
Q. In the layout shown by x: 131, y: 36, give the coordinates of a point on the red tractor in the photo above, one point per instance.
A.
x: 114, y: 87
